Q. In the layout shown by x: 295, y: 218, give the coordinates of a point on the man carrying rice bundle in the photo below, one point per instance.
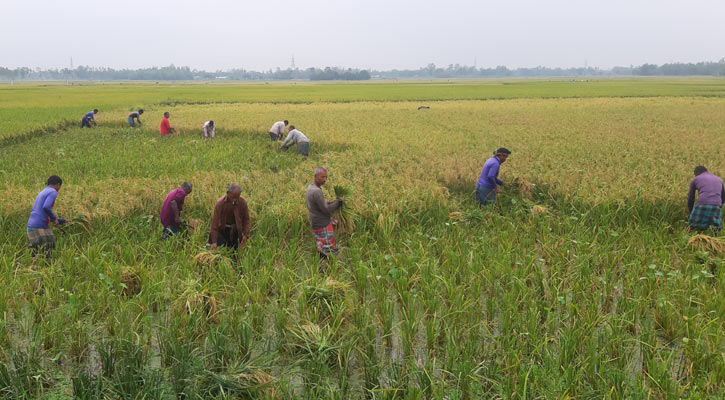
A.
x: 710, y: 193
x: 321, y: 214
x: 39, y: 234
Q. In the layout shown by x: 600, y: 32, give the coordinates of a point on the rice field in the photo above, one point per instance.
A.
x: 583, y: 283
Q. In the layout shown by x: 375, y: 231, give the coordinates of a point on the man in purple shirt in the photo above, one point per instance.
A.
x: 89, y: 117
x: 488, y: 183
x: 171, y: 210
x: 39, y: 234
x: 710, y: 193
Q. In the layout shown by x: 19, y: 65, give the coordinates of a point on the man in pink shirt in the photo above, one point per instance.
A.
x: 171, y: 210
x: 166, y: 127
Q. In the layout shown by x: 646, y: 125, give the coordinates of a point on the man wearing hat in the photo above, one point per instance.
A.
x: 488, y: 183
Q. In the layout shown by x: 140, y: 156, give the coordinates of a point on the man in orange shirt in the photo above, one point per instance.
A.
x: 166, y: 127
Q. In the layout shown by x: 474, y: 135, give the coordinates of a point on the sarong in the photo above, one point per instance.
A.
x: 130, y: 123
x: 704, y: 216
x: 325, y: 240
x: 303, y: 148
x: 41, y: 239
x: 274, y: 136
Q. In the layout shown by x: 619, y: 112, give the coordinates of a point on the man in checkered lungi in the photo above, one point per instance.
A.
x: 321, y: 215
x: 39, y: 234
x: 710, y: 194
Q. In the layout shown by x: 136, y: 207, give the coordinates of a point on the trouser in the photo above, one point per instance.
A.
x: 228, y: 237
x: 485, y: 194
x: 85, y: 123
x: 169, y: 231
x: 274, y: 136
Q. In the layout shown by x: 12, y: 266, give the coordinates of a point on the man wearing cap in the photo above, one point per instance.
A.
x: 230, y: 223
x: 488, y: 183
x: 89, y: 117
x: 710, y: 194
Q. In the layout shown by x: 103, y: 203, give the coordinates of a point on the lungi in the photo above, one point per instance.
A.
x: 325, y: 240
x: 303, y: 148
x: 41, y: 239
x: 704, y: 216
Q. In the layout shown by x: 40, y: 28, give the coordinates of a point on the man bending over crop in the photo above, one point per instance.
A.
x: 171, y: 210
x: 89, y: 117
x: 277, y: 130
x: 136, y: 115
x: 208, y: 130
x: 298, y: 138
x: 488, y: 183
x: 230, y: 224
x: 40, y: 236
x: 710, y: 195
x: 166, y: 127
x: 321, y: 214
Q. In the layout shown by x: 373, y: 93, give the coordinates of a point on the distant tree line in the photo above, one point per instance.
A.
x: 173, y: 73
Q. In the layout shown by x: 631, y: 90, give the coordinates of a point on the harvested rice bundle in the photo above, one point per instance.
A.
x: 710, y: 244
x: 130, y: 282
x: 345, y: 222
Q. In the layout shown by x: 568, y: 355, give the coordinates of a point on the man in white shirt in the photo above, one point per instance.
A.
x: 298, y: 138
x: 208, y: 130
x: 277, y: 130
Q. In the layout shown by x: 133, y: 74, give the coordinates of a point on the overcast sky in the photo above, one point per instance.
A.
x: 378, y: 34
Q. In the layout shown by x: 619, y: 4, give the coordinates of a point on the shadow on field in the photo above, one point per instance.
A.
x: 521, y: 195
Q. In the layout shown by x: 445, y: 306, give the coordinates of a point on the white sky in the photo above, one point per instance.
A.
x: 379, y: 34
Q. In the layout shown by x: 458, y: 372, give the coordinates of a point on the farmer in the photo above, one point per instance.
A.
x: 136, y: 115
x: 488, y: 183
x: 88, y: 118
x: 230, y: 224
x: 171, y: 210
x: 710, y: 194
x: 298, y: 138
x: 321, y: 215
x: 40, y: 236
x: 277, y: 130
x: 166, y: 127
x: 208, y: 129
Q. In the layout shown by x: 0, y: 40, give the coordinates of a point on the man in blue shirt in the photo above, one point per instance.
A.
x: 488, y: 183
x: 88, y: 118
x: 39, y: 234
